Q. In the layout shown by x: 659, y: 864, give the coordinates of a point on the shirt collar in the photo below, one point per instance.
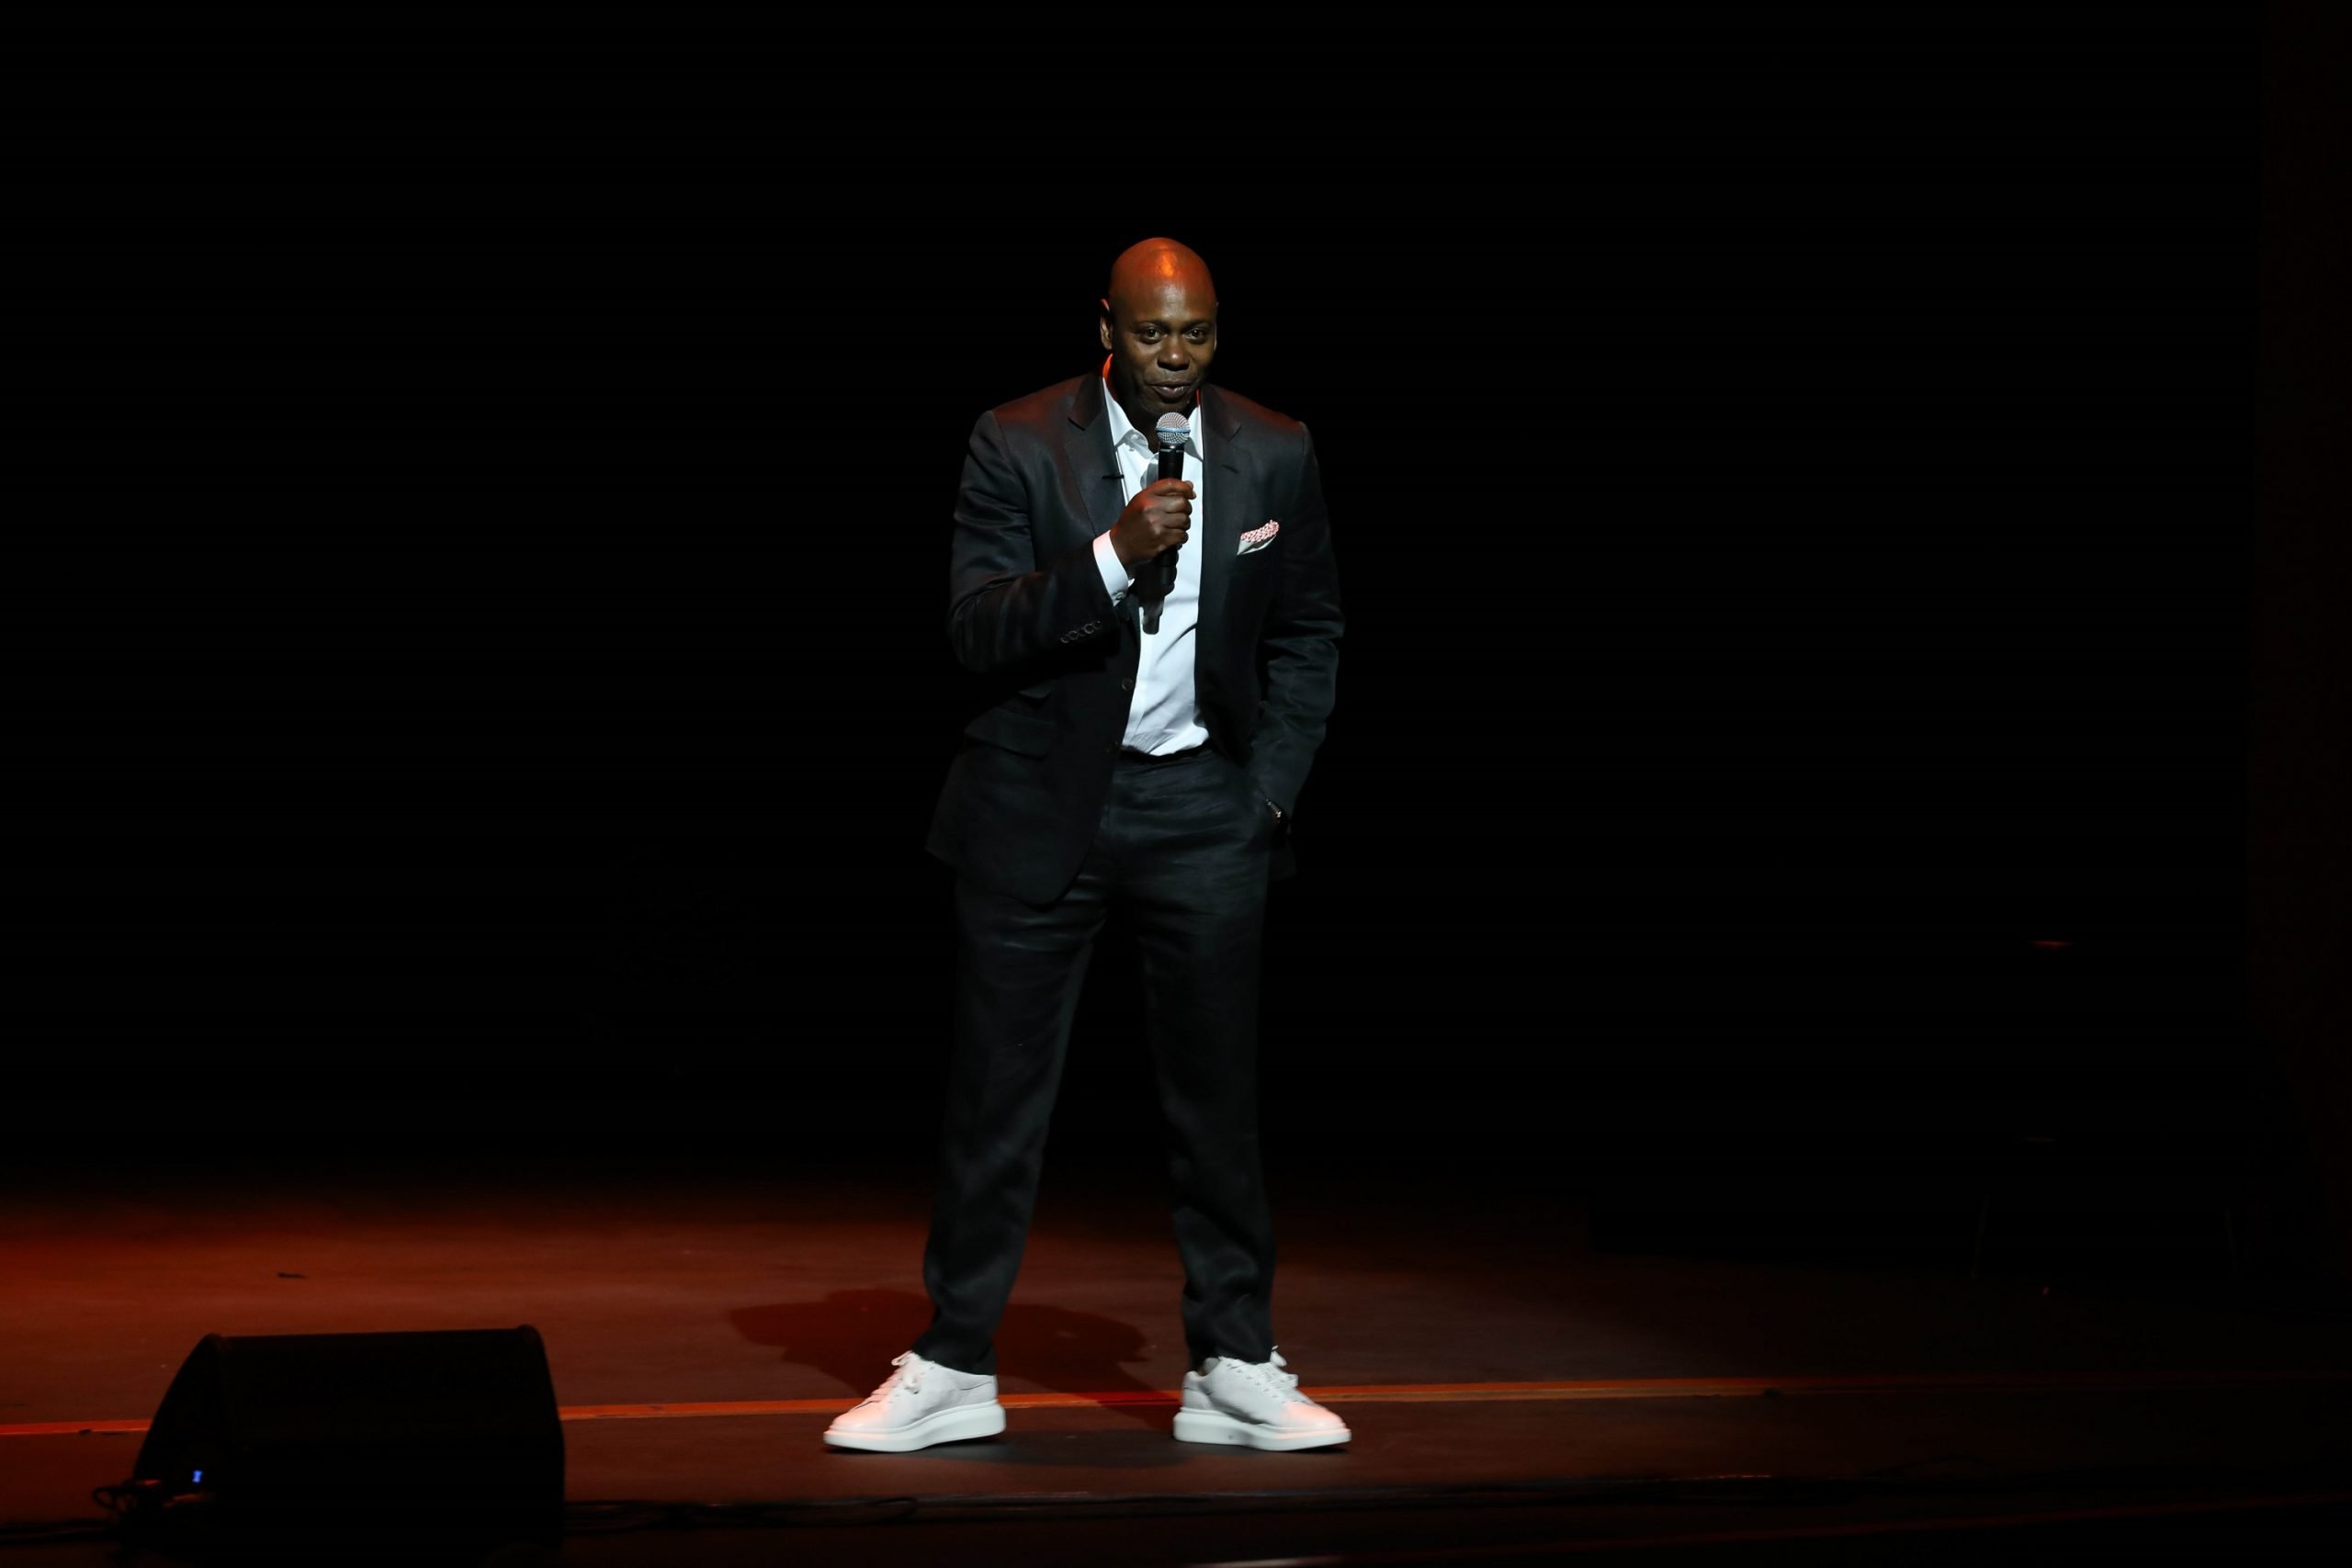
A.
x: 1123, y: 429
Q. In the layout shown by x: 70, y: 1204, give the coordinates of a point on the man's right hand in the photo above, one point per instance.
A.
x: 1156, y: 520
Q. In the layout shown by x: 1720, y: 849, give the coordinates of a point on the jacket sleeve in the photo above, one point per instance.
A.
x: 1004, y: 606
x: 1301, y: 645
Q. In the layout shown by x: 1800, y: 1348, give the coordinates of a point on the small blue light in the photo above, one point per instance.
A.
x: 197, y: 1479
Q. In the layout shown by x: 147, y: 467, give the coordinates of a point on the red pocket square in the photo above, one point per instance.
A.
x: 1257, y: 538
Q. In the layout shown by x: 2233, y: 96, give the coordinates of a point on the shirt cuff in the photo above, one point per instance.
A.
x: 1115, y: 577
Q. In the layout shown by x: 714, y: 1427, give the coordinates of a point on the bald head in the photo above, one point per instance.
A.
x: 1159, y: 325
x: 1148, y: 266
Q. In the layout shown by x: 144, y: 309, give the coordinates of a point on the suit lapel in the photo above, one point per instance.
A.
x: 1231, y: 486
x: 1089, y: 474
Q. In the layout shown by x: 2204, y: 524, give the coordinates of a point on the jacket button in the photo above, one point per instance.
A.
x: 1126, y: 685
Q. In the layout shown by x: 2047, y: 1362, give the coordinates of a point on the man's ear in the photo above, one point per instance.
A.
x: 1104, y: 322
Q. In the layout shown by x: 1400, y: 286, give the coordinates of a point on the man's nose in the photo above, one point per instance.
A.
x: 1172, y: 356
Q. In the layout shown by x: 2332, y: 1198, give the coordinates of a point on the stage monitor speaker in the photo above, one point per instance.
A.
x: 356, y: 1440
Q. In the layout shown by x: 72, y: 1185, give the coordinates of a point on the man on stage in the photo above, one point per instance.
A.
x: 1145, y: 739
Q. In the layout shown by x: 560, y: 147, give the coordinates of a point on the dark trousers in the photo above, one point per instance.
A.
x: 1184, y: 846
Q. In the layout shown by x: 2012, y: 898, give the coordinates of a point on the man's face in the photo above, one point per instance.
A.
x: 1161, y: 332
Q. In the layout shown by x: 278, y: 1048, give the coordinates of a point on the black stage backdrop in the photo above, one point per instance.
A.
x: 477, y: 627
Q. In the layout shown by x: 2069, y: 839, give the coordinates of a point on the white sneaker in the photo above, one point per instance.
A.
x: 1256, y: 1403
x: 920, y: 1403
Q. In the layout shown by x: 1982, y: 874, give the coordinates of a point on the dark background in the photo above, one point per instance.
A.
x: 476, y: 639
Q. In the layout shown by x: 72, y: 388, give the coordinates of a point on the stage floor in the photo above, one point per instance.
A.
x: 702, y: 1329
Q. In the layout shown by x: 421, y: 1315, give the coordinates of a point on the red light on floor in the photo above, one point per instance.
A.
x: 2047, y: 942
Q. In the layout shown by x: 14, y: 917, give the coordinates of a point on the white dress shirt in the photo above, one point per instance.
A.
x: 1162, y: 715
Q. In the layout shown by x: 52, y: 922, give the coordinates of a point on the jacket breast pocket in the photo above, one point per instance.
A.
x: 1031, y: 733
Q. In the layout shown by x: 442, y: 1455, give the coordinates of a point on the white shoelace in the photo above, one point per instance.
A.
x: 907, y: 1378
x: 1282, y: 1384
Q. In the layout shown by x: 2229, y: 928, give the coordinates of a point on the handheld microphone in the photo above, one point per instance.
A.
x: 1174, y: 431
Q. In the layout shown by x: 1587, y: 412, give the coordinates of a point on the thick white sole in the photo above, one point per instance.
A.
x: 953, y: 1423
x: 1215, y: 1427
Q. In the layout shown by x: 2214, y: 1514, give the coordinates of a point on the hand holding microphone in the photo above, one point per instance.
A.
x: 1156, y: 520
x: 1154, y: 525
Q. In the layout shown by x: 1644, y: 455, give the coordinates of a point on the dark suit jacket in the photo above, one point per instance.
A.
x: 1028, y: 614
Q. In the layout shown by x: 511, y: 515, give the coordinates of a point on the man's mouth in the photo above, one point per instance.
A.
x: 1169, y: 389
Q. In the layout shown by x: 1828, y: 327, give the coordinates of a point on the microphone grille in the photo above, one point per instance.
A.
x: 1174, y: 430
